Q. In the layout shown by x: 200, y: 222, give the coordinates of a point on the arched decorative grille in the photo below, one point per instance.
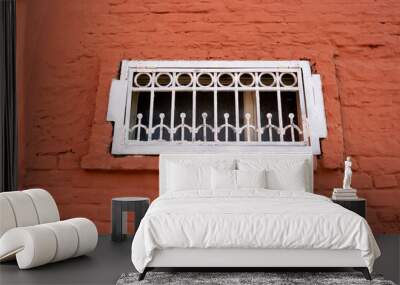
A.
x: 175, y: 105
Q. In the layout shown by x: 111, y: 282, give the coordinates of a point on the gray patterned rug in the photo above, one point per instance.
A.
x: 243, y: 278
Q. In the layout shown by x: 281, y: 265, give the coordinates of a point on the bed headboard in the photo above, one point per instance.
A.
x: 304, y: 154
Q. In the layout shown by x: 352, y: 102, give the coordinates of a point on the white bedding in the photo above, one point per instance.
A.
x: 250, y: 219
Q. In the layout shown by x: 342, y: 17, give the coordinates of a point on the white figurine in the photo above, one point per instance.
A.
x: 347, y: 174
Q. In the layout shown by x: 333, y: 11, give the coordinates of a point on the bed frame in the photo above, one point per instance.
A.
x: 243, y: 259
x: 252, y: 258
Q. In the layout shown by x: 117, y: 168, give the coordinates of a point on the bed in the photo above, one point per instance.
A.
x: 247, y: 210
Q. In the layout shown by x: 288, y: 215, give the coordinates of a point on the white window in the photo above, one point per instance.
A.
x: 177, y: 106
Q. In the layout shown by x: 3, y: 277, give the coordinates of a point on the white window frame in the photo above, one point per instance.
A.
x: 311, y: 103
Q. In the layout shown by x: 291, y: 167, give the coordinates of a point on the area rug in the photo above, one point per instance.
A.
x: 244, y: 278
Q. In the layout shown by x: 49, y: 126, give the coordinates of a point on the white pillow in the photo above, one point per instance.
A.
x: 251, y: 178
x: 185, y: 178
x: 223, y: 179
x: 282, y: 174
x: 291, y: 178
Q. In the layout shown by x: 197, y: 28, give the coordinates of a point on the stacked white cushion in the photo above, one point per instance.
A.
x: 223, y: 179
x: 31, y: 232
x: 66, y: 236
x: 23, y: 208
x: 31, y: 246
x: 188, y: 175
x: 282, y: 174
x: 37, y: 245
x: 232, y: 180
x: 254, y: 178
x: 284, y: 171
x: 45, y: 205
x: 7, y: 220
x: 184, y: 177
x: 87, y: 235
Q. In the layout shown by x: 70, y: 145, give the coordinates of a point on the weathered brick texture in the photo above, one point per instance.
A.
x: 68, y: 52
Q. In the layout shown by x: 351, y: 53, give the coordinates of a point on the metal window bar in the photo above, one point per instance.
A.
x: 194, y: 96
x: 236, y: 107
x: 149, y: 134
x: 215, y: 106
x: 172, y: 126
x: 302, y: 106
x: 279, y: 100
x: 259, y: 133
x: 127, y: 117
x: 215, y: 86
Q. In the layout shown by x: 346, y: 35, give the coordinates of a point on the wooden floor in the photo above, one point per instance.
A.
x: 110, y: 260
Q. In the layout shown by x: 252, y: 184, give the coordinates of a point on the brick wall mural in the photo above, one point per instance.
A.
x: 68, y: 52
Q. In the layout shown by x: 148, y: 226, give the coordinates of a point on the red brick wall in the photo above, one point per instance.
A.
x: 68, y: 52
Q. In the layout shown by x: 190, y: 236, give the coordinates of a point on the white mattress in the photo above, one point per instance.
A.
x: 256, y: 219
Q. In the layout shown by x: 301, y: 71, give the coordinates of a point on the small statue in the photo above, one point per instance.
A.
x: 347, y: 174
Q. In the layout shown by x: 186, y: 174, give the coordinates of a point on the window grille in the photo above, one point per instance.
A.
x: 172, y: 106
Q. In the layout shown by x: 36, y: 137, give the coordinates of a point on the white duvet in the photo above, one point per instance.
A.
x: 250, y: 219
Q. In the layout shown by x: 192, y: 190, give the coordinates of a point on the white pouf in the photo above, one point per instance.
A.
x: 31, y: 232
